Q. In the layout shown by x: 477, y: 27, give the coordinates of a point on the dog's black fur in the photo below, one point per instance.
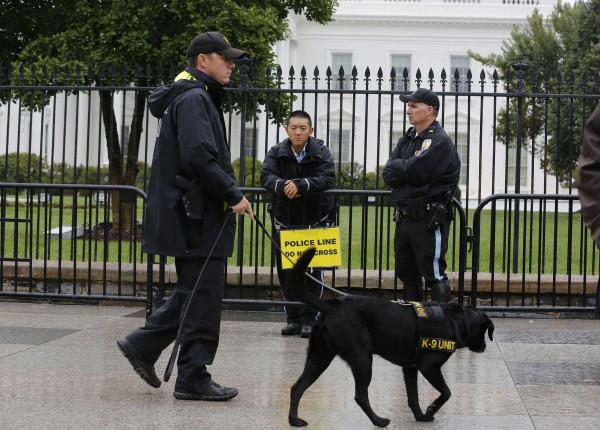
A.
x: 356, y: 327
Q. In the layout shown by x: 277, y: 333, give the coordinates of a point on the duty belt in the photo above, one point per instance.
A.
x: 415, y: 213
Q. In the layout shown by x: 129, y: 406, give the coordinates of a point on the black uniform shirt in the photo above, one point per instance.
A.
x: 422, y: 167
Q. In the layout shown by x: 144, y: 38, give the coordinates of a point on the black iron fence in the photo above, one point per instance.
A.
x: 529, y: 254
x: 59, y: 241
x: 516, y: 136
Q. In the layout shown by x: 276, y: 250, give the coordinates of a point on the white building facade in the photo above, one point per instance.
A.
x: 420, y: 35
x: 414, y: 35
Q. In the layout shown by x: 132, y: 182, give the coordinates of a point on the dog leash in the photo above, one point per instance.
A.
x: 171, y: 362
x: 330, y: 288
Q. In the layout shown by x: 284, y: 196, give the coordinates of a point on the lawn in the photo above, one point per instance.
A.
x: 547, y: 242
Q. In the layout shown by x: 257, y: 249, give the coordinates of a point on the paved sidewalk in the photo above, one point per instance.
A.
x: 60, y: 369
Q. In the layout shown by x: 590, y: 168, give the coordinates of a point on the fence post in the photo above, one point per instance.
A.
x: 520, y: 69
x: 244, y: 64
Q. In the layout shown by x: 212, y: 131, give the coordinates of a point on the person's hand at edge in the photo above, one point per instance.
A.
x: 242, y: 207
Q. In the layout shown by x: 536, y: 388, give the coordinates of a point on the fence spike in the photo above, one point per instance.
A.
x: 78, y: 77
x: 149, y: 73
x: 55, y: 72
x: 90, y: 73
x: 431, y: 80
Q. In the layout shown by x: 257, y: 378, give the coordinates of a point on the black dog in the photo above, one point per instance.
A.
x: 355, y: 328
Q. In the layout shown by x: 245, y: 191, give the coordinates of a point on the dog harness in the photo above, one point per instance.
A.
x: 434, y: 331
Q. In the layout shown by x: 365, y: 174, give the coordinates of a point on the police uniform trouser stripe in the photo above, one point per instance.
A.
x: 438, y: 251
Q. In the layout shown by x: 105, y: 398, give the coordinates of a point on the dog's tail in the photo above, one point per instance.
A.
x: 300, y: 291
x: 490, y: 326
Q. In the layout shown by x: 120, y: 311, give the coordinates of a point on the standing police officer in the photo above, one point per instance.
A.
x: 423, y: 171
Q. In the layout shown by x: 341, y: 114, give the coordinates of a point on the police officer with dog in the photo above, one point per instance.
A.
x: 423, y: 171
x: 191, y: 197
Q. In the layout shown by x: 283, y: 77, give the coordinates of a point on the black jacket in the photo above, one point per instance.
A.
x: 422, y: 167
x: 192, y: 145
x: 316, y: 172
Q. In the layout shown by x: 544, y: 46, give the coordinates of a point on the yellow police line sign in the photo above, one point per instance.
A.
x: 325, y: 239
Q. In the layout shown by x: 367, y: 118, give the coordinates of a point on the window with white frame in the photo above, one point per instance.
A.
x: 46, y: 140
x: 399, y: 63
x: 462, y: 147
x: 396, y: 135
x: 339, y: 145
x: 511, y: 167
x: 249, y: 141
x: 126, y: 130
x: 338, y: 60
x: 462, y: 63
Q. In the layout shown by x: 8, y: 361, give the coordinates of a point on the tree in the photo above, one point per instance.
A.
x: 133, y: 33
x: 24, y: 21
x: 563, y: 53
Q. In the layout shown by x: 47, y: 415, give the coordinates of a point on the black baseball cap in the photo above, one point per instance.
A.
x: 213, y: 41
x: 422, y: 95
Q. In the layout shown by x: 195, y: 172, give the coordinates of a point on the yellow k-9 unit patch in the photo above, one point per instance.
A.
x: 436, y: 344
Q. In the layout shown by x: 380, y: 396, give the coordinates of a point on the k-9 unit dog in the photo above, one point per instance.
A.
x: 417, y: 336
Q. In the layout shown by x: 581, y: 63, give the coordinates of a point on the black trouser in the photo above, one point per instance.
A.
x: 297, y: 314
x: 200, y: 331
x: 420, y: 253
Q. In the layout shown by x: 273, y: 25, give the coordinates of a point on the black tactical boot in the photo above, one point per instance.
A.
x: 413, y: 292
x: 440, y: 291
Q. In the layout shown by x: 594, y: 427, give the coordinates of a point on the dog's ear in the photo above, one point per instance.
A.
x: 490, y: 326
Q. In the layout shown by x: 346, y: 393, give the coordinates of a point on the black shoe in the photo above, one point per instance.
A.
x: 291, y: 329
x: 212, y: 391
x: 141, y: 365
x: 305, y: 332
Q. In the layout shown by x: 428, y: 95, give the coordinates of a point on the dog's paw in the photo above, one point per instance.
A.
x: 382, y: 422
x: 297, y: 422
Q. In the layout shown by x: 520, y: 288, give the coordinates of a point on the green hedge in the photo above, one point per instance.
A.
x: 24, y: 167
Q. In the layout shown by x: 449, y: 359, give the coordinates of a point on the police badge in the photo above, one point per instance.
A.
x: 426, y: 144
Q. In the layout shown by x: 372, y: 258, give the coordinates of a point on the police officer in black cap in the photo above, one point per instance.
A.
x: 191, y: 193
x: 423, y: 171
